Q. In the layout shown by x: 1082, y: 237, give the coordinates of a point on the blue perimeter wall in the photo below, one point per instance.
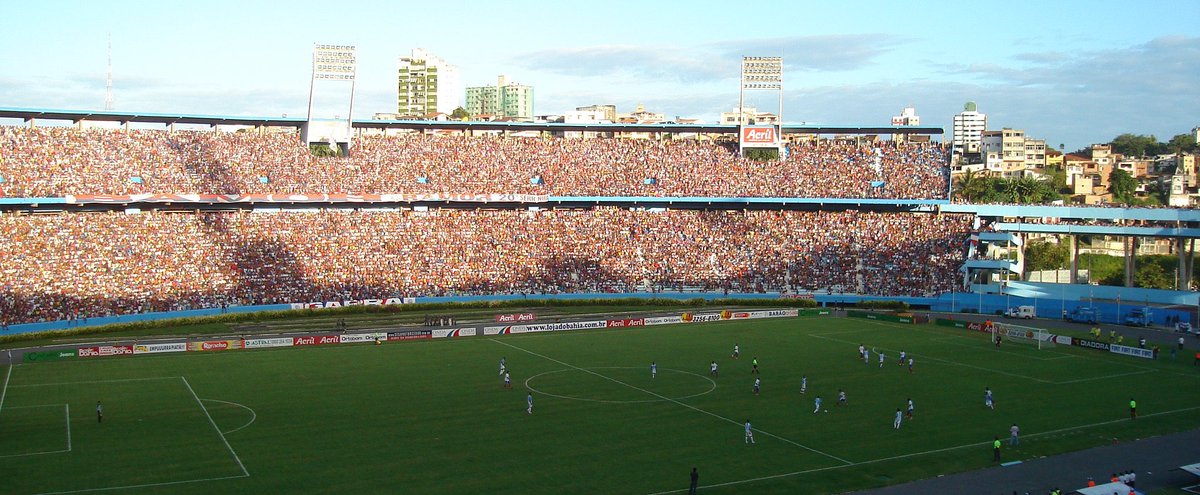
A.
x: 952, y: 303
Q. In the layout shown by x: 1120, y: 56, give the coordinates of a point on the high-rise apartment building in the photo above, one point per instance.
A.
x: 427, y: 85
x: 504, y: 100
x: 907, y: 117
x: 968, y: 130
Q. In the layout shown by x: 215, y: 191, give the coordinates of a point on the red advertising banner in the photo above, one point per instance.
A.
x: 106, y: 350
x: 626, y: 322
x: 317, y: 340
x: 516, y: 317
x: 758, y: 135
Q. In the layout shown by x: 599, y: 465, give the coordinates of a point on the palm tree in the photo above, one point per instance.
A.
x: 970, y: 185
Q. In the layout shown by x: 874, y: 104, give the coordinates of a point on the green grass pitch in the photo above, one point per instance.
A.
x: 432, y: 417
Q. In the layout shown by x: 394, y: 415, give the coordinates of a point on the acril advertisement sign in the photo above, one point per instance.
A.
x: 759, y: 136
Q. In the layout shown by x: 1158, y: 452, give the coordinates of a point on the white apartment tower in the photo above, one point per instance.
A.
x: 426, y: 85
x: 968, y: 130
x: 907, y: 117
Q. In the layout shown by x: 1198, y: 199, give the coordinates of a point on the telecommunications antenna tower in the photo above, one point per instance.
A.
x: 108, y: 94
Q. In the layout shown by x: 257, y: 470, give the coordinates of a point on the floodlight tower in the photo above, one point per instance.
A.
x: 758, y: 74
x: 108, y: 93
x: 333, y: 63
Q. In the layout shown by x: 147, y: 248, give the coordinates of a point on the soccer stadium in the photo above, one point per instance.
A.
x: 196, y: 304
x: 220, y: 226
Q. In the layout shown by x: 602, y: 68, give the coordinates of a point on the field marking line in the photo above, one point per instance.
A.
x: 145, y: 485
x: 959, y: 335
x: 4, y: 391
x: 1104, y: 377
x: 1077, y: 356
x: 952, y: 363
x: 605, y: 401
x: 935, y: 451
x: 955, y: 341
x: 253, y: 415
x: 674, y: 401
x: 215, y: 427
x: 89, y: 382
x: 31, y: 454
x: 68, y: 406
x: 68, y: 422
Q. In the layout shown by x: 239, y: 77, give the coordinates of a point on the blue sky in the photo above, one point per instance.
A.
x: 1071, y: 72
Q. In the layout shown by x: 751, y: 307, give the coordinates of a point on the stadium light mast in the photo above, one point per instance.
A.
x: 332, y: 63
x: 759, y: 74
x: 108, y: 91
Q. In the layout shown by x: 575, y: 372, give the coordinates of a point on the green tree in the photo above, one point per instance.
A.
x: 1152, y: 276
x: 762, y: 154
x: 1042, y: 255
x: 1134, y: 144
x: 1026, y: 190
x: 323, y: 150
x: 969, y: 186
x: 1182, y: 143
x: 1057, y: 177
x: 1122, y: 185
x: 459, y: 113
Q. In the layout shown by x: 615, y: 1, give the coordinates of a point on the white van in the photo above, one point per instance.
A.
x: 1026, y: 312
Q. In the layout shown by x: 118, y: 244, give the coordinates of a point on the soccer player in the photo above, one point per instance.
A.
x: 804, y: 384
x: 818, y: 404
x: 754, y: 365
x: 507, y: 380
x: 861, y: 349
x: 902, y: 356
x: 757, y: 385
x: 1132, y: 408
x: 695, y: 482
x: 1014, y: 438
x: 502, y: 365
x: 749, y: 433
x: 99, y: 412
x: 737, y: 352
x: 881, y: 359
x: 910, y: 409
x: 866, y: 356
x: 896, y: 422
x: 712, y: 369
x: 529, y: 400
x: 653, y: 369
x: 996, y: 450
x: 841, y: 397
x: 910, y: 364
x: 987, y: 398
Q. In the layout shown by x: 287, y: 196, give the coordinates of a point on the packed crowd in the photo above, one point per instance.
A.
x: 57, y: 161
x: 79, y: 265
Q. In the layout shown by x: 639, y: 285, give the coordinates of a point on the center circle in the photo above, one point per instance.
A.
x: 593, y: 384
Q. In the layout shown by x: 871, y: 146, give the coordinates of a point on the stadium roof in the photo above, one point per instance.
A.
x: 152, y: 118
x: 167, y: 118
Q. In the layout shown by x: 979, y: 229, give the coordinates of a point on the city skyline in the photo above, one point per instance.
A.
x: 1074, y: 73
